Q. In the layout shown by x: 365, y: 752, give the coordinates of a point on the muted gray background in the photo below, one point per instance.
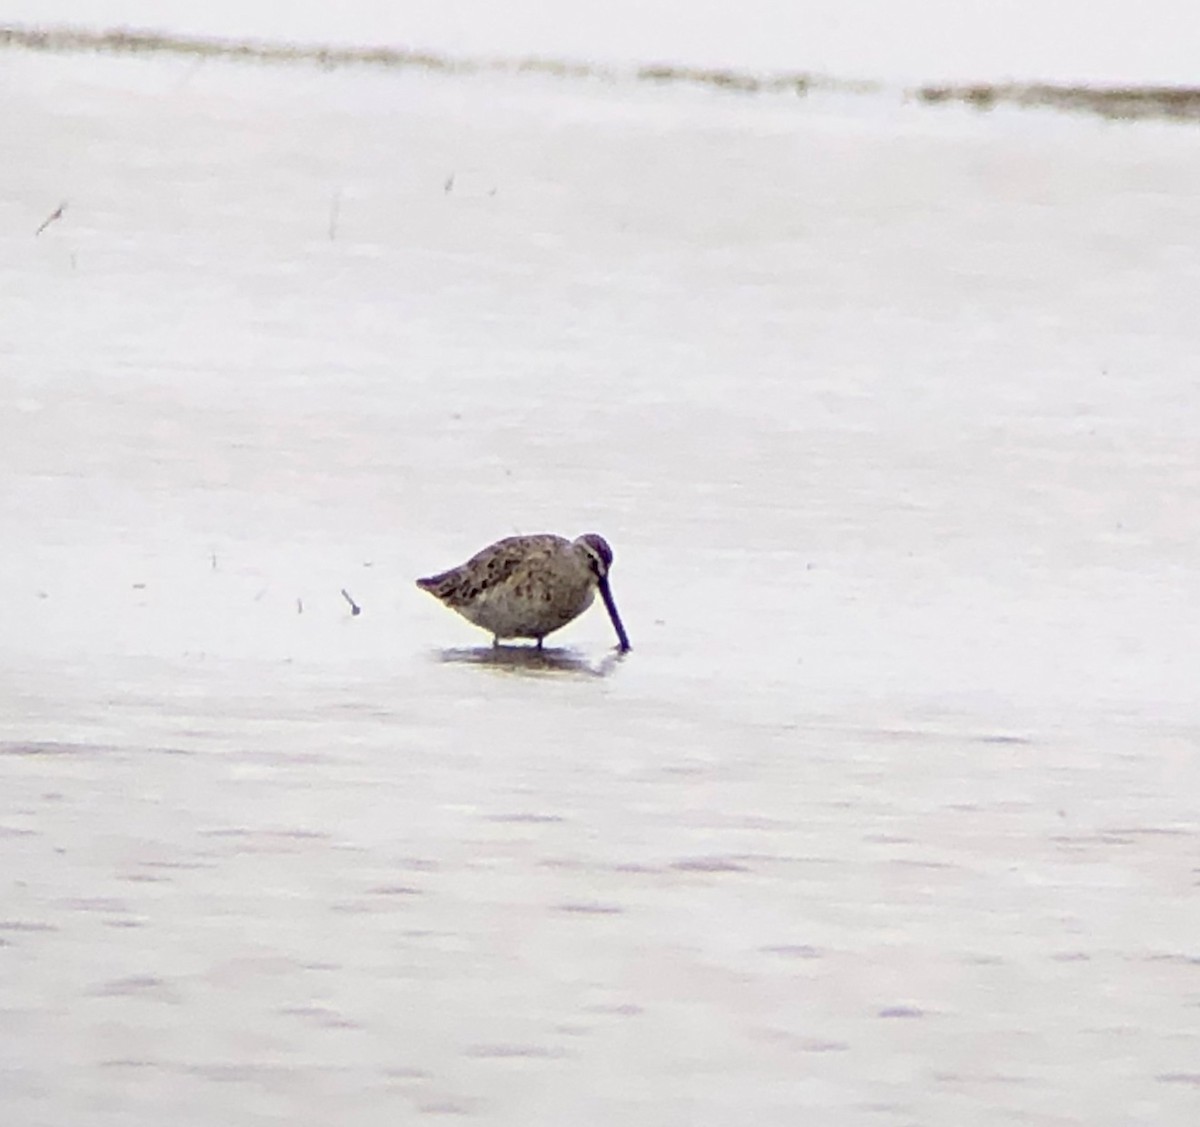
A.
x: 889, y: 414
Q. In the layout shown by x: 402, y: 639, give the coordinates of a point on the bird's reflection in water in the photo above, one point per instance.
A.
x: 529, y: 660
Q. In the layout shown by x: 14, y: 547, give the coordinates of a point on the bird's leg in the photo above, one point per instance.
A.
x: 539, y: 646
x: 495, y: 641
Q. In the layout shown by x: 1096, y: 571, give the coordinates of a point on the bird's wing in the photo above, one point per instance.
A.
x: 490, y: 568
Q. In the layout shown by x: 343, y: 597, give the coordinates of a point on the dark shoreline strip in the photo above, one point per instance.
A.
x: 1113, y: 103
x: 123, y: 41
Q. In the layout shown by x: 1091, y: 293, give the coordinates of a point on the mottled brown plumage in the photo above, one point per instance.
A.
x: 529, y: 586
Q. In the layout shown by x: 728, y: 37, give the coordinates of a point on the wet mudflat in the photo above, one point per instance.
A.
x: 889, y: 816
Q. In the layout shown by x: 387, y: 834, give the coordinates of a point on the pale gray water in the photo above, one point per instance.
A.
x: 890, y: 816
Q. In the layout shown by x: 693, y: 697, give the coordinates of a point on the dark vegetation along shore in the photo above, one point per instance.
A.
x: 1116, y: 103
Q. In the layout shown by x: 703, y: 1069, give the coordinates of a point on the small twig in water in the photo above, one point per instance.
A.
x: 448, y: 187
x: 355, y: 609
x: 55, y: 214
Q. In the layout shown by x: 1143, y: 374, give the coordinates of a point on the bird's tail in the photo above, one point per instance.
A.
x: 438, y: 585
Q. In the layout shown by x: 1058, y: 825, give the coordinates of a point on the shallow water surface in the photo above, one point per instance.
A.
x: 889, y: 816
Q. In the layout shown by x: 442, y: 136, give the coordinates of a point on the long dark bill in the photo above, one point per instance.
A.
x: 606, y: 595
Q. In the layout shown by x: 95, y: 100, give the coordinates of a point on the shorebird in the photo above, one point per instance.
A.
x: 529, y: 586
